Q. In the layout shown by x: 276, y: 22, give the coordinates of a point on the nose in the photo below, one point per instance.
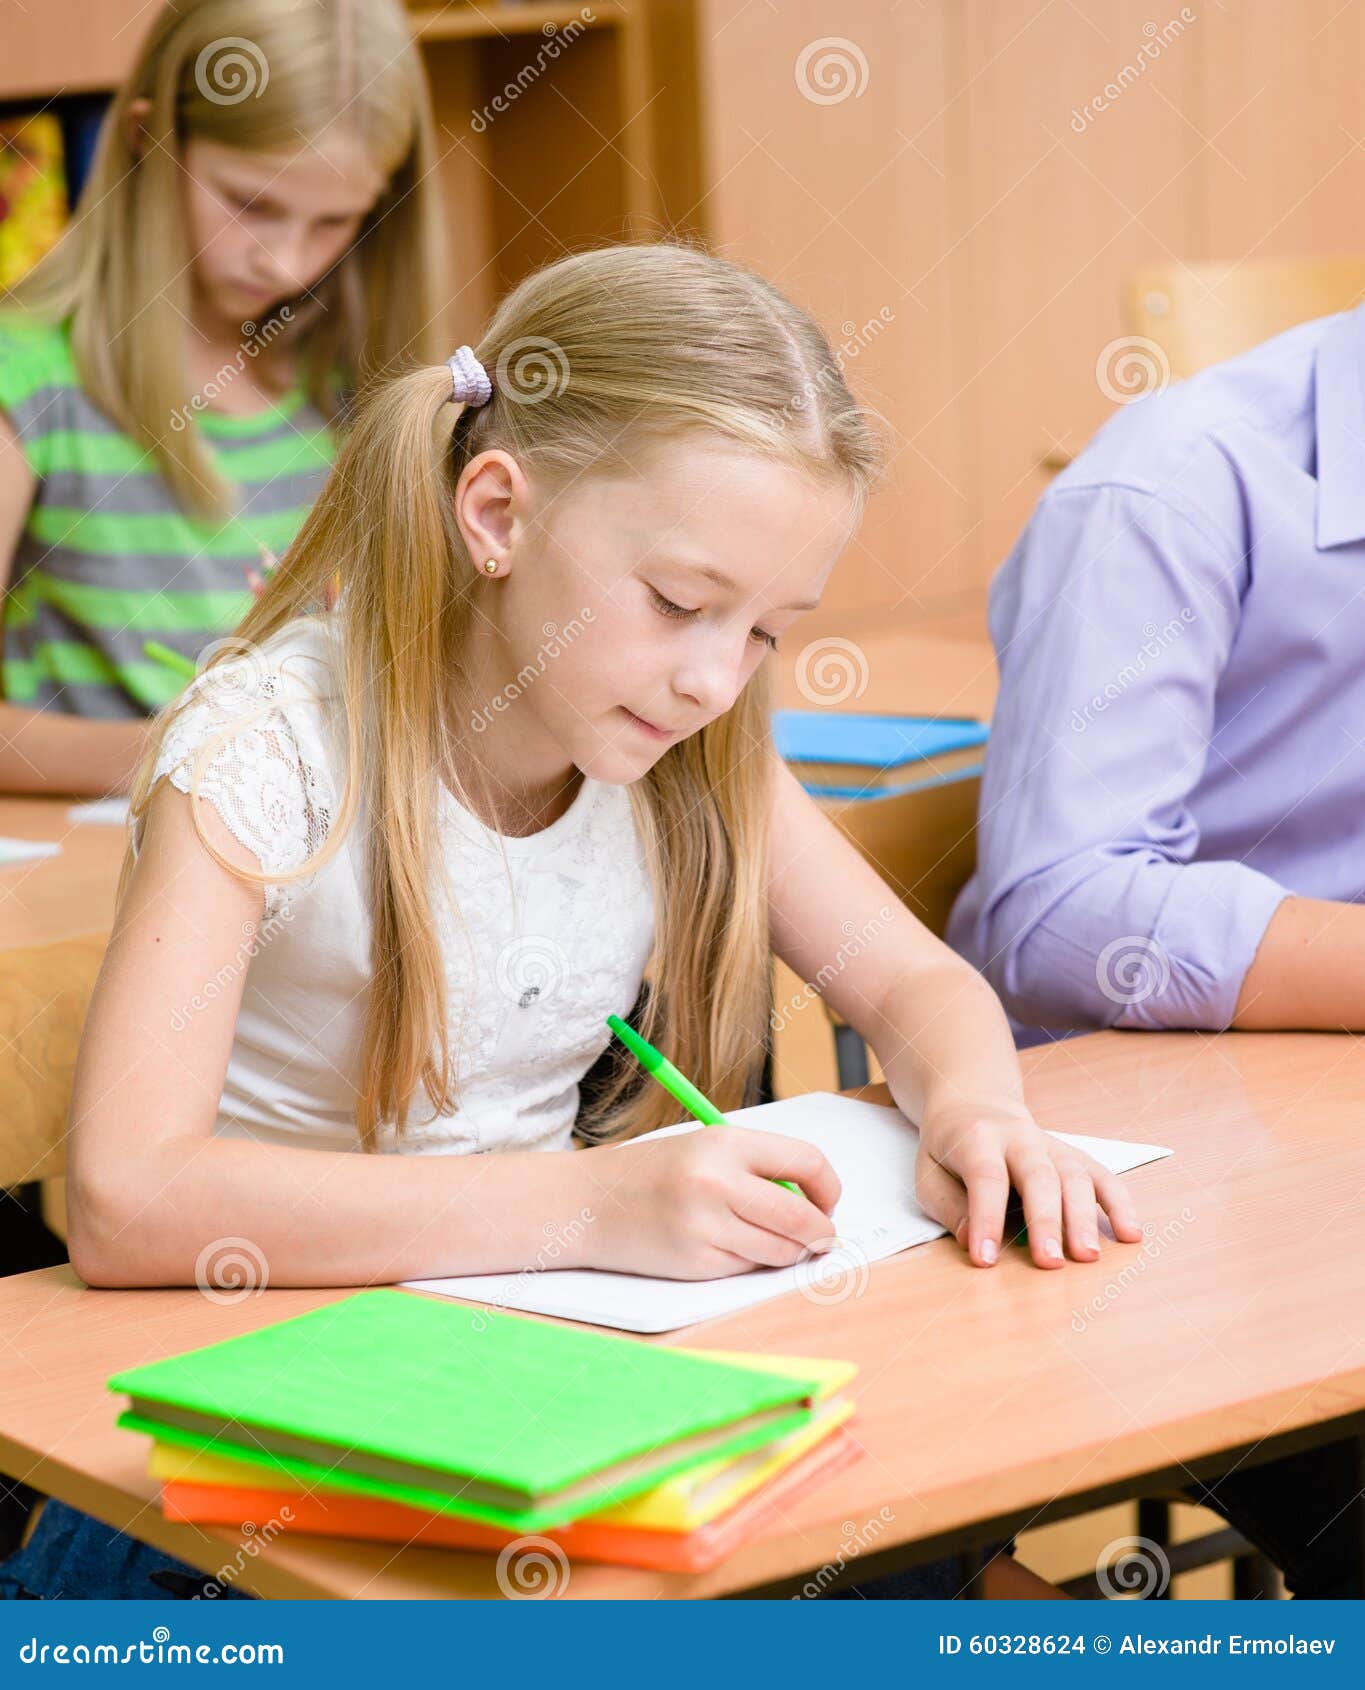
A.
x: 283, y: 264
x: 714, y: 676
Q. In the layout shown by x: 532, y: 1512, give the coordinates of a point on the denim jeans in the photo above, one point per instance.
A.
x: 73, y: 1555
x: 1297, y: 1510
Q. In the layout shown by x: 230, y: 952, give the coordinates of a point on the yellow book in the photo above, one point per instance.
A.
x: 680, y: 1504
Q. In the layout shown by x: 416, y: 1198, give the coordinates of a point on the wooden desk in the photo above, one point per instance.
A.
x: 56, y: 898
x: 987, y: 1399
x: 55, y: 915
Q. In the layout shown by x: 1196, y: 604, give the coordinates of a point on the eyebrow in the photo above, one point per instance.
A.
x: 724, y: 582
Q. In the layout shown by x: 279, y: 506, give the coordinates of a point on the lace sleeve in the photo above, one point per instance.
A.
x: 242, y: 739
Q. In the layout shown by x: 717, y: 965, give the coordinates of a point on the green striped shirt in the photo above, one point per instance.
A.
x: 108, y: 559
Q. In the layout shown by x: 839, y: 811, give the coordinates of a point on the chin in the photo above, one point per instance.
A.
x: 614, y: 766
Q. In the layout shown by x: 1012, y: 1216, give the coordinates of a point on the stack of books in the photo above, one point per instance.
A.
x: 409, y: 1419
x: 842, y: 754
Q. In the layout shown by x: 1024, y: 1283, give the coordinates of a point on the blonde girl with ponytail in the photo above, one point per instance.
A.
x: 394, y: 863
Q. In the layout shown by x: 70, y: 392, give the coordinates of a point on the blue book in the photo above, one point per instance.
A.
x: 846, y: 755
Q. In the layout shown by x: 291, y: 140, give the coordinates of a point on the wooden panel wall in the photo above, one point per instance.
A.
x: 987, y: 190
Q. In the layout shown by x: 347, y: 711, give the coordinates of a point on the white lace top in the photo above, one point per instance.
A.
x: 550, y: 938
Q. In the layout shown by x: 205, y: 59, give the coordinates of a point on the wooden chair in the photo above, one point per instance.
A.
x: 44, y: 993
x: 1200, y: 314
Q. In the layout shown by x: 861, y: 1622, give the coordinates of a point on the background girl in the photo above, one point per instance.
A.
x: 175, y: 366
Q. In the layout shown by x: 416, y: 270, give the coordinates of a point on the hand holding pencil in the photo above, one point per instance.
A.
x: 707, y: 1205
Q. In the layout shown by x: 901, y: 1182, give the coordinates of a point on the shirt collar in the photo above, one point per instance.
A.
x: 1340, y: 420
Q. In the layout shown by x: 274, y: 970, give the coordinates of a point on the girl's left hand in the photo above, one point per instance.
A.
x: 969, y: 1157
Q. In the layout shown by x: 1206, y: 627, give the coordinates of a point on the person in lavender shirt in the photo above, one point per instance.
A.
x: 1172, y: 822
x: 1172, y: 831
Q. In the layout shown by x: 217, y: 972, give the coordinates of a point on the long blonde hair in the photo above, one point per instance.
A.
x: 616, y: 348
x: 121, y: 269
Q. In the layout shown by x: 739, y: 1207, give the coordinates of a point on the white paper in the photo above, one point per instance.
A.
x: 871, y: 1148
x: 27, y: 850
x: 111, y: 811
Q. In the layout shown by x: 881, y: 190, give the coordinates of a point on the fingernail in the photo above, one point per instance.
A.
x: 1052, y: 1249
x: 1089, y: 1243
x: 989, y: 1250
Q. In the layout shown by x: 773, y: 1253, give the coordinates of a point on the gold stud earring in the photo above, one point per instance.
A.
x: 491, y: 567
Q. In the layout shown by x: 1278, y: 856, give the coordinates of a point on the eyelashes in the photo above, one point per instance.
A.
x: 678, y: 613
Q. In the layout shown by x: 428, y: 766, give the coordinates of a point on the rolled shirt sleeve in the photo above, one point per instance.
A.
x: 1113, y: 621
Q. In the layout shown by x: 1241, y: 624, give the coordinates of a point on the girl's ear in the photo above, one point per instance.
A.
x: 135, y: 117
x: 492, y: 498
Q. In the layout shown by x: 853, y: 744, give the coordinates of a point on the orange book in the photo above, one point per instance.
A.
x: 338, y: 1514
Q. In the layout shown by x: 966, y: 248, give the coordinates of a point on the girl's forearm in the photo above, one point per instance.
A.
x: 42, y: 752
x: 943, y: 1042
x: 305, y: 1217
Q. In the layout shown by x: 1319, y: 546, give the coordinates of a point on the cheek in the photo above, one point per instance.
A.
x: 214, y: 235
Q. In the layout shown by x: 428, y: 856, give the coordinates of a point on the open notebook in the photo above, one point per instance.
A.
x: 871, y: 1148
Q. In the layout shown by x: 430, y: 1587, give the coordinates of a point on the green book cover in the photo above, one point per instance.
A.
x: 514, y: 1421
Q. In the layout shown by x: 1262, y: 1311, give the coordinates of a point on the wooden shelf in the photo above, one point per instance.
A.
x: 470, y: 22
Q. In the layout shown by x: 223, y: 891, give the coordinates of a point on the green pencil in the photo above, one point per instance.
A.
x: 169, y: 659
x: 657, y: 1064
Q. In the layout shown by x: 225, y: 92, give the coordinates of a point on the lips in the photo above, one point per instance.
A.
x: 649, y: 727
